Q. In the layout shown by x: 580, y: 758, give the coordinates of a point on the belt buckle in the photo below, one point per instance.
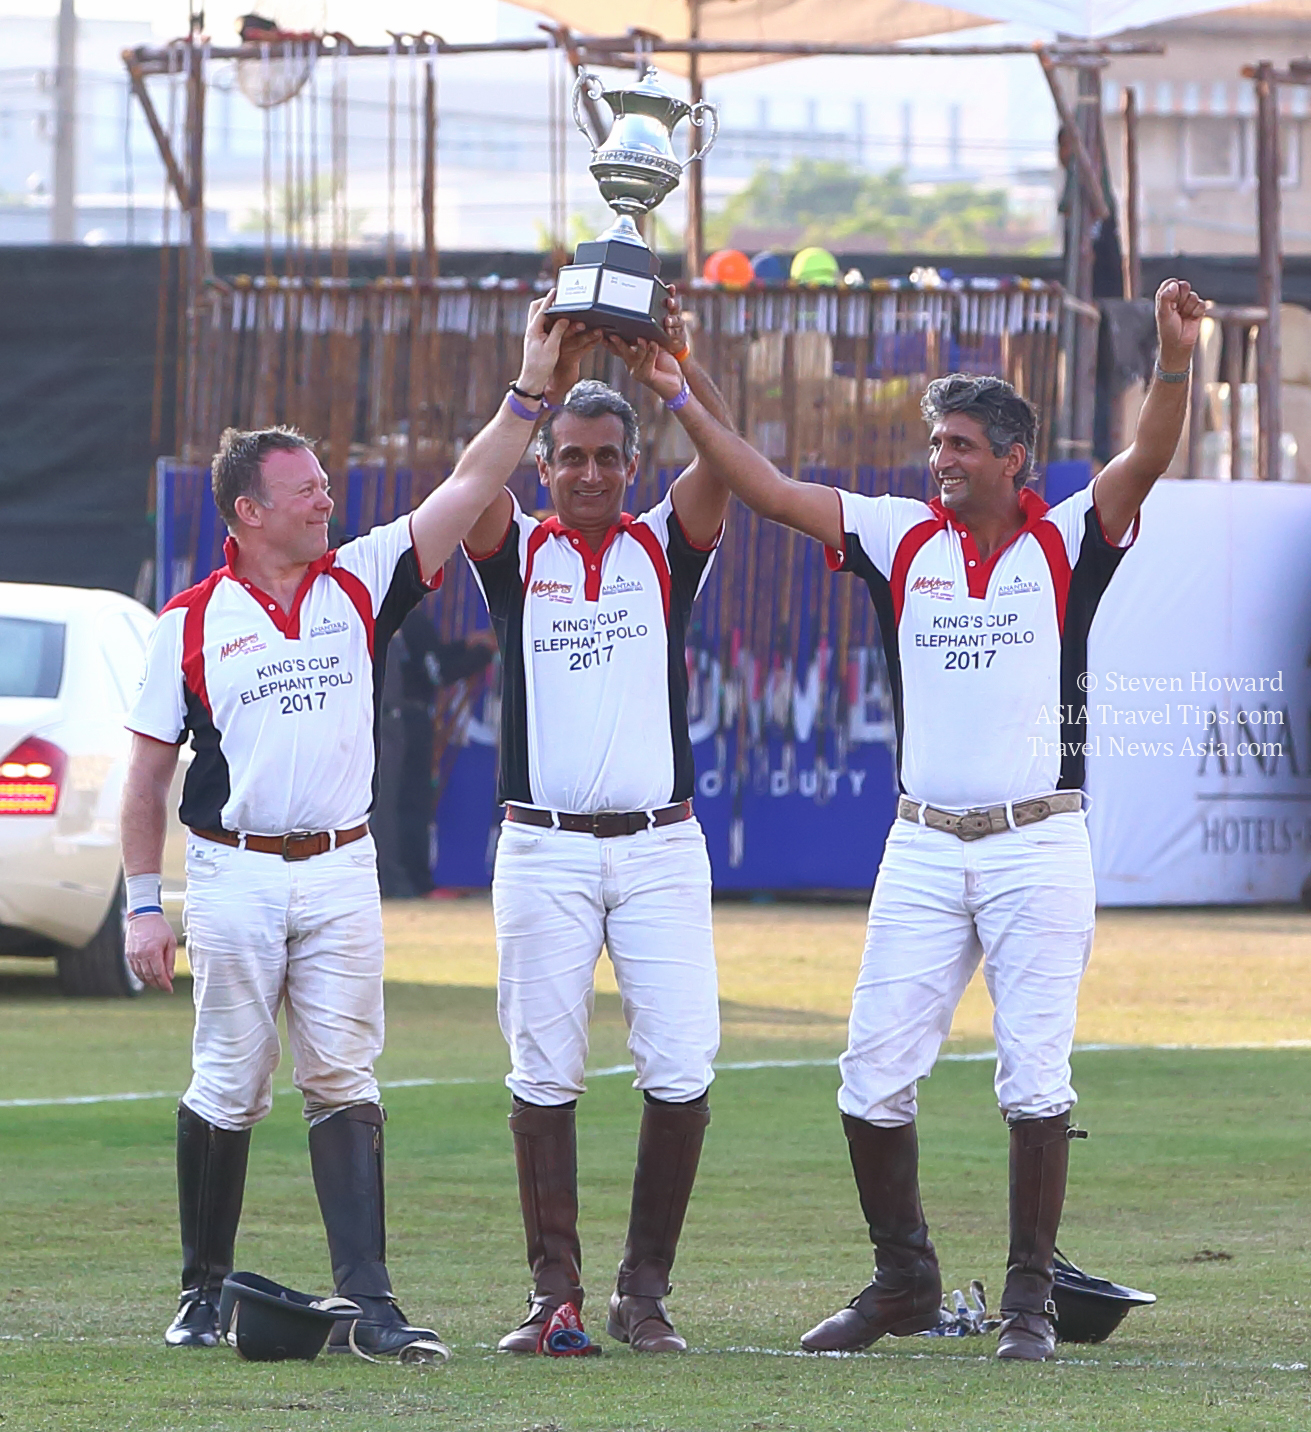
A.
x: 974, y: 825
x: 597, y: 820
x: 295, y: 835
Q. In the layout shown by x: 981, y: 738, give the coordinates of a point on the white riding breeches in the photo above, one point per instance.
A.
x: 1023, y: 901
x: 558, y: 896
x: 262, y: 933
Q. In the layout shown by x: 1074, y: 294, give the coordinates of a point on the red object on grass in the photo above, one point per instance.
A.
x: 563, y: 1335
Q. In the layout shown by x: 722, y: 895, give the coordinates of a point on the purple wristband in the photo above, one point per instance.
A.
x: 680, y: 399
x: 520, y: 409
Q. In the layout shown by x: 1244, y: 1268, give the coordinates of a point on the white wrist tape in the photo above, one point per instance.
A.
x: 144, y: 895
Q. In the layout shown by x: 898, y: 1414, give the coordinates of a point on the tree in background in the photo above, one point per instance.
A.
x: 838, y: 206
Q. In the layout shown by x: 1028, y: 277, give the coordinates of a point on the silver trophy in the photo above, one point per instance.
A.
x: 612, y: 282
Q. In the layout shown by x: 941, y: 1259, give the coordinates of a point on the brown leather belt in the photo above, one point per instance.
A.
x: 988, y: 820
x: 602, y: 823
x: 296, y: 845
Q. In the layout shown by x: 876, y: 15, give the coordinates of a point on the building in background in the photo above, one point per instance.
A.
x: 1197, y: 133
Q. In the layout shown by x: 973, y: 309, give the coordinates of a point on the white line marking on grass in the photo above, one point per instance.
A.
x: 979, y: 1056
x: 85, y: 1099
x: 1059, y: 1361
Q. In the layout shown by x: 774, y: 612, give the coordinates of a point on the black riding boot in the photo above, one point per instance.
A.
x: 211, y: 1181
x: 346, y: 1156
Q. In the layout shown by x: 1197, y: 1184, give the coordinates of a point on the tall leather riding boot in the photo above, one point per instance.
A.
x: 905, y: 1295
x: 347, y: 1159
x: 546, y: 1153
x: 211, y: 1182
x: 346, y: 1155
x: 1040, y: 1160
x: 668, y: 1151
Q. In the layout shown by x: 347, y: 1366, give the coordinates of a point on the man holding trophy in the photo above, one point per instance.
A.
x: 600, y: 845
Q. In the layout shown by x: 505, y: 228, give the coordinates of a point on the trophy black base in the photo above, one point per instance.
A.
x: 613, y: 285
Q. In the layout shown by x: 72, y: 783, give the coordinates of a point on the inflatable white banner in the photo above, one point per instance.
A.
x: 1199, y: 701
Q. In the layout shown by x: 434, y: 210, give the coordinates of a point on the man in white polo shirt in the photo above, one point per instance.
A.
x: 984, y: 598
x: 273, y: 664
x: 599, y: 844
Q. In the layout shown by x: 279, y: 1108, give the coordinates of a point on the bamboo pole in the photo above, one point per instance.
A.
x: 1269, y: 270
x: 1129, y: 237
x: 694, y: 224
x: 1088, y: 178
x: 1092, y: 212
x: 606, y: 49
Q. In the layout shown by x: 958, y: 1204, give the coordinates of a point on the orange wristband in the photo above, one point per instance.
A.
x: 683, y: 354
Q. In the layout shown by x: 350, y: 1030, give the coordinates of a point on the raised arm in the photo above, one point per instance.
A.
x: 576, y: 343
x: 446, y: 516
x: 151, y: 946
x: 700, y: 492
x: 679, y: 343
x: 810, y: 507
x: 1123, y: 484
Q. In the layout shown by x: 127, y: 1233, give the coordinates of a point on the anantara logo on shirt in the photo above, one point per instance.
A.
x: 553, y: 591
x: 240, y: 645
x: 327, y: 628
x: 1015, y: 588
x: 619, y: 586
x: 940, y: 587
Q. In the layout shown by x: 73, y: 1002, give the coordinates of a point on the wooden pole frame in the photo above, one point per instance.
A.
x: 1270, y: 273
x: 694, y: 242
x: 1130, y: 237
x: 1088, y: 179
x: 619, y: 50
x: 136, y: 76
x: 147, y: 60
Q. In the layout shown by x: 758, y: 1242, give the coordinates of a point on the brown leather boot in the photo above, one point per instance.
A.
x: 906, y: 1293
x: 546, y: 1153
x: 668, y: 1151
x: 1040, y: 1159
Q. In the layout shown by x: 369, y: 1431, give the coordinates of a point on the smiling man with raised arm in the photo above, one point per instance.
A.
x: 984, y: 597
x: 272, y: 664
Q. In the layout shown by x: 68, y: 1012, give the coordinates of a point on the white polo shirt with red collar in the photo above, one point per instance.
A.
x: 594, y: 681
x: 281, y: 706
x: 984, y: 657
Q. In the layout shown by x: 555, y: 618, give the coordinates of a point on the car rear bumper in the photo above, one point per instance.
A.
x: 40, y: 888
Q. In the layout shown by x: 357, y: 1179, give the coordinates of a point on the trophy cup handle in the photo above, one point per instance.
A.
x: 702, y: 114
x: 591, y: 86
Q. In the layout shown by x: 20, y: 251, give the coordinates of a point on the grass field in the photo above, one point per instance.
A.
x: 1194, y: 1185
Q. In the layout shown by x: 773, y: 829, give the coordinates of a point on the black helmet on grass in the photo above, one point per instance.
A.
x: 266, y: 1322
x: 1089, y: 1309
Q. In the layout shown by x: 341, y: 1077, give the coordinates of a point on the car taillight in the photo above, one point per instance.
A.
x: 30, y: 778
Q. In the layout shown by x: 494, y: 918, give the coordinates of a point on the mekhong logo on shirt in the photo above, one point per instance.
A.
x: 1015, y: 588
x: 619, y: 586
x: 239, y: 645
x: 941, y: 587
x: 553, y: 591
x: 327, y: 628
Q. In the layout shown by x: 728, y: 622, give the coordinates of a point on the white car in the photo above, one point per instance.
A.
x: 70, y: 663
